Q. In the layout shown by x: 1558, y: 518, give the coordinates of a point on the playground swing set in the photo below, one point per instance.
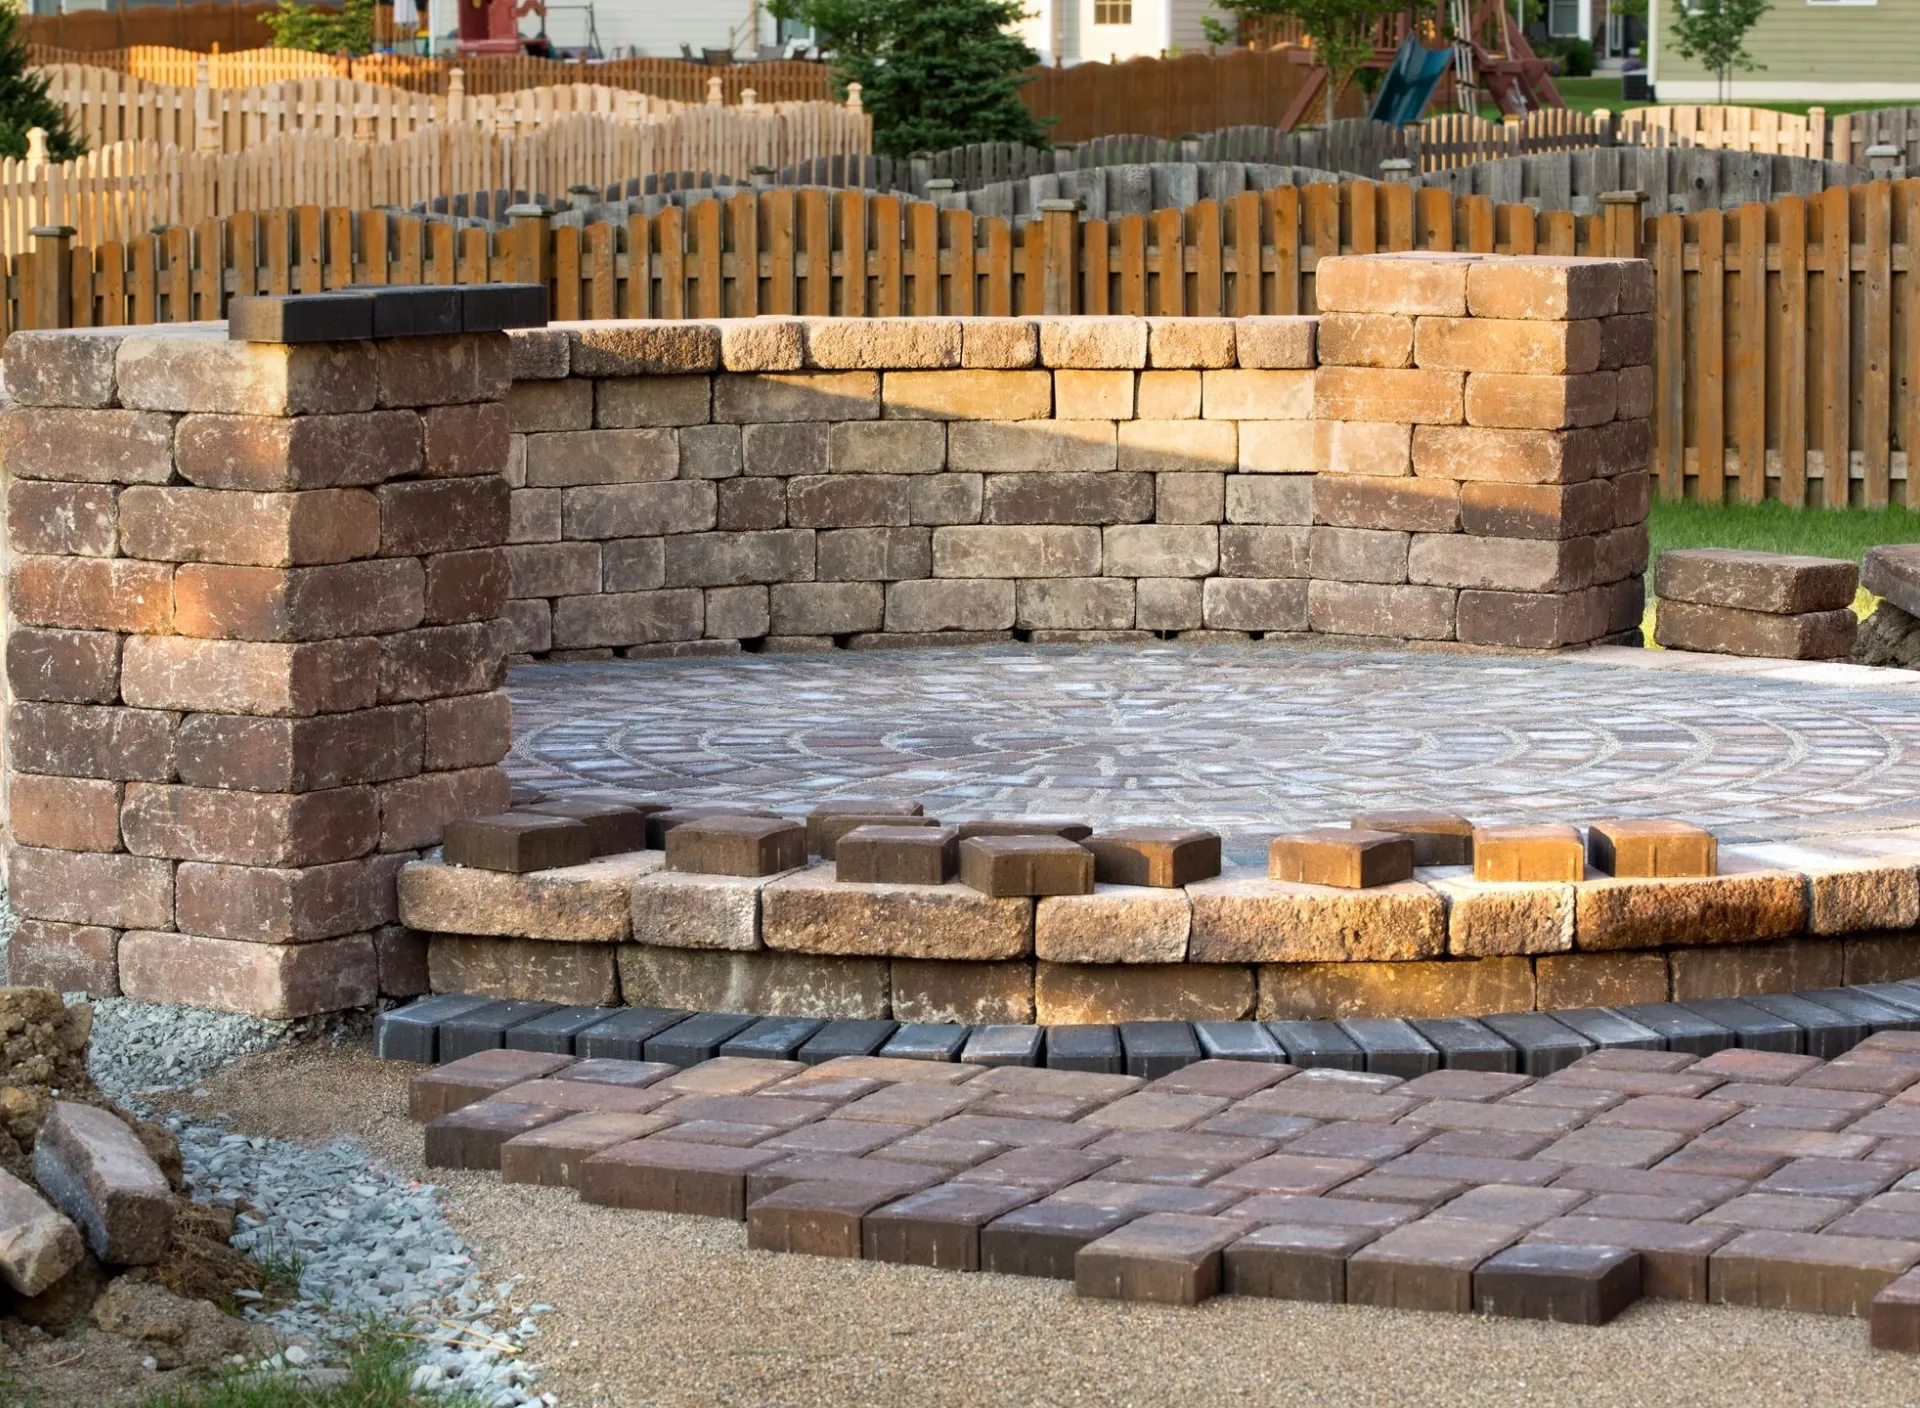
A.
x: 1487, y: 52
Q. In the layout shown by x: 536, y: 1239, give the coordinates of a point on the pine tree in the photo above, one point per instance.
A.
x: 932, y: 73
x: 24, y: 103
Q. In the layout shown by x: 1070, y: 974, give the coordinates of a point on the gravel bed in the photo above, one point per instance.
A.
x: 369, y: 1243
x: 142, y: 1047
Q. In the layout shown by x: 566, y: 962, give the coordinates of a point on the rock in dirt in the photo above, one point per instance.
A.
x: 160, y: 1144
x: 37, y: 1244
x: 43, y: 1058
x: 66, y: 1300
x: 1889, y: 637
x: 175, y: 1331
x: 98, y: 1173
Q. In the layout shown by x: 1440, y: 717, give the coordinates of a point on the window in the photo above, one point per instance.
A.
x: 1843, y: 2
x: 1563, y: 19
x: 1113, y: 11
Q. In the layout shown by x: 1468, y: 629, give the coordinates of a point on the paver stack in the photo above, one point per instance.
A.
x: 1482, y: 434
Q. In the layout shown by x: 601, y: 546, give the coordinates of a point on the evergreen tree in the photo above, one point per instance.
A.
x: 932, y: 73
x: 24, y: 102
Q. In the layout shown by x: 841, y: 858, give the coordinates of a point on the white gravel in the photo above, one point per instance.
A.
x: 140, y: 1047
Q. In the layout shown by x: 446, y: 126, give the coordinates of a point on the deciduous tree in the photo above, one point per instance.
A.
x: 1341, y: 31
x: 1713, y: 33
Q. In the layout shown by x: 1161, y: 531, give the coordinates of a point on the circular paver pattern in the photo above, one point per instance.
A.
x: 1249, y: 740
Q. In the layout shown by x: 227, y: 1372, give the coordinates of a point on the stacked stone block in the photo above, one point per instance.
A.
x: 1482, y: 436
x: 805, y: 483
x: 1440, y: 918
x: 1774, y: 605
x: 253, y: 657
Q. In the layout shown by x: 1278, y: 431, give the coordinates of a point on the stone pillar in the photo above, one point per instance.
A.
x: 1483, y: 438
x: 254, y: 657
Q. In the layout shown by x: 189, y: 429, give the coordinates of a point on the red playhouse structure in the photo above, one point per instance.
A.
x: 493, y: 26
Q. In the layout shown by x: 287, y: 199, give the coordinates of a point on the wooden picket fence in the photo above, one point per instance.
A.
x: 1447, y: 140
x: 1730, y: 128
x: 121, y: 190
x: 1173, y: 97
x: 776, y: 81
x: 1787, y: 334
x: 1787, y: 357
x: 107, y: 107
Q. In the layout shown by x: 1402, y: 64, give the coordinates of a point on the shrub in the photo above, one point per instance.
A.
x: 1575, y: 55
x: 24, y: 103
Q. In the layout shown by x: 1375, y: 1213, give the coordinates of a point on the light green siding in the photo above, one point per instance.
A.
x: 1809, y: 52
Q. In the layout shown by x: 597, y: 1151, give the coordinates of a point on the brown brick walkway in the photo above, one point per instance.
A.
x: 1746, y: 1177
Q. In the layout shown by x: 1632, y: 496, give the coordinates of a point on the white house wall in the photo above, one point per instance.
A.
x: 1184, y: 30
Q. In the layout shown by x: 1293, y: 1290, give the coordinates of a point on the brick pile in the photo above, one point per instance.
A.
x: 254, y: 664
x: 1746, y: 1178
x: 1773, y: 605
x: 1482, y: 434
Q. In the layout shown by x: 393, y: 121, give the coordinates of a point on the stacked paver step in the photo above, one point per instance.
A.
x: 1774, y: 605
x: 1749, y: 1176
x: 1823, y: 1024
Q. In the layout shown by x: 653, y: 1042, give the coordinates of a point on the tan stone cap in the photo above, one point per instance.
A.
x: 799, y: 344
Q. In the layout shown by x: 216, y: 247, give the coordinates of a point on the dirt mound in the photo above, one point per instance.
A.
x: 43, y: 1058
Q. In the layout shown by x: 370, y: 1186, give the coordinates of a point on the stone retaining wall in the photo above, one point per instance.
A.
x: 1459, y: 454
x: 259, y: 594
x: 1779, y: 918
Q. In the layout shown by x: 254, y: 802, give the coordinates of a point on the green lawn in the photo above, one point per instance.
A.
x: 378, y: 1372
x: 1773, y: 527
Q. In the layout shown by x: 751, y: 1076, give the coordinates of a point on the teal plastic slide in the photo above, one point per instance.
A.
x: 1410, y: 82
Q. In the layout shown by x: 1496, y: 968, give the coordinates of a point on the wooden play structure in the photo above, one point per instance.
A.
x: 1490, y: 57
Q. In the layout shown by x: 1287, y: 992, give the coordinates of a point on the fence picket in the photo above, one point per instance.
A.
x: 1707, y: 378
x: 1835, y: 340
x: 1750, y: 351
x: 1875, y: 336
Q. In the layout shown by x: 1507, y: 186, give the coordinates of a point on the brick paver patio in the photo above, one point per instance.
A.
x: 1249, y: 740
x: 1748, y: 1177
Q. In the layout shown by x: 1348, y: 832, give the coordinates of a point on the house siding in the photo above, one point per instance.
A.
x: 654, y: 29
x: 1810, y: 53
x: 1186, y: 16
